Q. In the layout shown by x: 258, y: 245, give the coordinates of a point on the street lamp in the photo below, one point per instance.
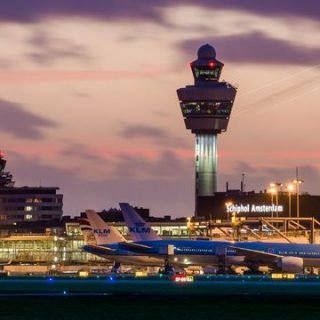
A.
x: 273, y: 191
x: 278, y: 188
x: 228, y: 204
x: 297, y: 183
x: 290, y: 189
x: 189, y: 226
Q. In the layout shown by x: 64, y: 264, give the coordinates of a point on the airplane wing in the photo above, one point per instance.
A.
x: 134, y: 246
x: 100, y: 249
x: 256, y: 255
x: 5, y: 263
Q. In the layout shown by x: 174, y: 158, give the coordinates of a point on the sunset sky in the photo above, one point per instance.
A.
x: 88, y: 96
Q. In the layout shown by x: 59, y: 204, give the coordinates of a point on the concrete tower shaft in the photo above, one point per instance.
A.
x: 206, y: 108
x: 206, y: 164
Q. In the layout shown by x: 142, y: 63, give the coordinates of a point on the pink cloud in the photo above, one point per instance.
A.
x: 28, y: 76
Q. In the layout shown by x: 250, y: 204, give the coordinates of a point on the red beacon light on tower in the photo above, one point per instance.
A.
x: 211, y: 64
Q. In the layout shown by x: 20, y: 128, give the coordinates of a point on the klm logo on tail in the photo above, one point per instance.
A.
x: 139, y: 227
x: 102, y: 232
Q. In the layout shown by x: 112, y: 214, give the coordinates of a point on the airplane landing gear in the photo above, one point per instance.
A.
x: 115, y: 268
x: 168, y: 269
x: 253, y: 269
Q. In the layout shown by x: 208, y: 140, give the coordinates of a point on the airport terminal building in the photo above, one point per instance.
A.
x: 259, y: 204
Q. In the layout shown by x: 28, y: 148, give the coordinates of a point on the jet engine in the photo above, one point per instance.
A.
x: 291, y: 264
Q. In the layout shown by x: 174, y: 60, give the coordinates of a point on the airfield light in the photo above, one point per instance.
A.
x: 183, y: 278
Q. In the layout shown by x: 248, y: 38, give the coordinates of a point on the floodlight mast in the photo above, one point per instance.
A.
x: 206, y: 108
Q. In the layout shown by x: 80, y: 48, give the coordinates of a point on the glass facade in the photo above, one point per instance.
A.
x: 207, y: 72
x: 207, y: 108
x: 48, y: 249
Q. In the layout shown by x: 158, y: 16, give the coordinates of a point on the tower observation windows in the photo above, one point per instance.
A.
x: 206, y: 108
x: 206, y: 73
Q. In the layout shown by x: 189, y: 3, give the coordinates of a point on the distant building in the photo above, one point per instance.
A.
x: 259, y: 204
x: 26, y: 204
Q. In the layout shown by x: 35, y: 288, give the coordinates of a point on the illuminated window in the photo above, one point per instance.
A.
x: 28, y: 216
x: 27, y: 208
x: 206, y: 73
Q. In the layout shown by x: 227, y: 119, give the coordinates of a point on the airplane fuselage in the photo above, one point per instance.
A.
x: 203, y: 252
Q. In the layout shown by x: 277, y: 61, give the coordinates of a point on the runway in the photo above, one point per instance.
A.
x: 126, y: 285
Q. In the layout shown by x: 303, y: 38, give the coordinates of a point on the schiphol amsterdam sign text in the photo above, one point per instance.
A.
x: 253, y: 208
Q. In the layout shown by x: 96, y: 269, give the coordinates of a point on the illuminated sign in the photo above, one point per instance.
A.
x: 253, y: 208
x: 183, y: 278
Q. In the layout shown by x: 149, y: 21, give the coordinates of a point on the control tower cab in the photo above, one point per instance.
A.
x: 206, y: 108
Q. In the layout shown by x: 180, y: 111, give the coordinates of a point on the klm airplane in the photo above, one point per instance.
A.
x: 105, y: 236
x: 285, y: 257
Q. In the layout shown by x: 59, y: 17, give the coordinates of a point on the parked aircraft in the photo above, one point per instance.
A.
x: 286, y: 257
x: 106, y: 235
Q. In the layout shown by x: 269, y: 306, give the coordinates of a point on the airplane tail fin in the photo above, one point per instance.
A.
x: 86, y: 230
x: 138, y: 228
x: 103, y: 233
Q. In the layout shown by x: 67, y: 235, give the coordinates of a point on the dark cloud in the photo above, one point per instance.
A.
x: 174, y: 195
x: 49, y: 49
x: 167, y: 166
x: 163, y: 196
x: 78, y: 151
x: 308, y: 8
x: 141, y: 131
x: 155, y: 135
x: 34, y: 10
x: 17, y: 121
x: 255, y: 47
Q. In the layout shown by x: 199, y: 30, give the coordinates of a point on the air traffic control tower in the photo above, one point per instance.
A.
x: 206, y: 107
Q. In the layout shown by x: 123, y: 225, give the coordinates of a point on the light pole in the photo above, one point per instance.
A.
x: 228, y: 205
x: 272, y: 190
x: 297, y: 182
x: 290, y: 189
x: 189, y: 227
